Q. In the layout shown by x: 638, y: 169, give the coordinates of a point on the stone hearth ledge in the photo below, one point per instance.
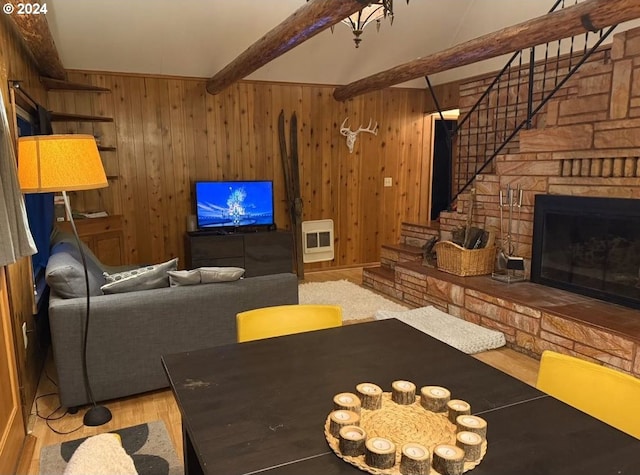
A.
x: 533, y: 317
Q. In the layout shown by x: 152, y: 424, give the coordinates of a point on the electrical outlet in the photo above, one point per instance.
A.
x: 388, y: 181
x: 24, y: 335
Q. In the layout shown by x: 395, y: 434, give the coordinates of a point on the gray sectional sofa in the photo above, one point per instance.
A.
x: 129, y: 332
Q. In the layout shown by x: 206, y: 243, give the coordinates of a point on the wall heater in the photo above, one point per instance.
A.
x: 317, y: 240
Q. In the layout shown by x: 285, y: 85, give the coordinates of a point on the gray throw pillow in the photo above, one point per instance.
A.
x: 143, y: 278
x: 220, y: 274
x: 65, y: 273
x: 183, y: 277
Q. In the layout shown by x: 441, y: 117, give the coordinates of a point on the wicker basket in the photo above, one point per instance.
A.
x: 457, y: 260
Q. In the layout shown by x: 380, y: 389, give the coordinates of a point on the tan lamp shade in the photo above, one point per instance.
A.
x: 50, y: 163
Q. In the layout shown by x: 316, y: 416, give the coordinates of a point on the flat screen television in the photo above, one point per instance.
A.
x: 234, y: 205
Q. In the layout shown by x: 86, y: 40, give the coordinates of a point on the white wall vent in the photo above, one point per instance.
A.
x: 317, y: 240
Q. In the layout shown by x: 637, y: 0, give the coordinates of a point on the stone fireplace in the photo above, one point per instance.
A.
x: 589, y: 246
x: 585, y: 143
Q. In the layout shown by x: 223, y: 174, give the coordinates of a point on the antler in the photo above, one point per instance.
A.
x: 352, y: 134
x: 373, y: 131
x: 345, y: 130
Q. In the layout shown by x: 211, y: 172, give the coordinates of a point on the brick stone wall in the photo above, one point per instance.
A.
x: 586, y: 142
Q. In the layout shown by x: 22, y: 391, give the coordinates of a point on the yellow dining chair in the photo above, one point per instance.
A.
x: 604, y: 393
x: 286, y: 319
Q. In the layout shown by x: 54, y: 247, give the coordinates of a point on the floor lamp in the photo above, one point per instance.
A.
x: 61, y: 163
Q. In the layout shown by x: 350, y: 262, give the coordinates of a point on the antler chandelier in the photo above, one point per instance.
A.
x: 374, y: 11
x: 371, y: 11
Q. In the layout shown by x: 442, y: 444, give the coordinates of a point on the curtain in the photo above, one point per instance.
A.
x: 15, y: 237
x: 39, y: 206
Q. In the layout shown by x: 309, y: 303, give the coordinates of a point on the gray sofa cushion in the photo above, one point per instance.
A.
x: 204, y: 275
x: 183, y: 277
x: 143, y: 278
x: 65, y: 274
x: 220, y: 274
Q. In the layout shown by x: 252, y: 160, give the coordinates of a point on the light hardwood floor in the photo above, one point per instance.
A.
x: 160, y: 405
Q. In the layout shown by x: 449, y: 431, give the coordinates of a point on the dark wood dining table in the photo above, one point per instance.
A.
x: 260, y: 407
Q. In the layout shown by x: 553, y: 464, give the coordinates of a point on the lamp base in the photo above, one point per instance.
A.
x: 96, y: 416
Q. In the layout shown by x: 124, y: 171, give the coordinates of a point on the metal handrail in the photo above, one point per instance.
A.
x: 493, y: 110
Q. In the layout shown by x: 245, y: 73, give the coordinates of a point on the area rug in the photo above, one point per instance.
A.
x: 357, y: 302
x: 148, y: 445
x: 459, y: 333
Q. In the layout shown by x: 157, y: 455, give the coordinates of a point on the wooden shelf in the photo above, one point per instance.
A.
x: 102, y: 148
x: 51, y: 84
x: 66, y: 117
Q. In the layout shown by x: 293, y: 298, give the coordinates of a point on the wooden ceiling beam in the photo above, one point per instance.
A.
x: 309, y: 20
x: 591, y: 15
x: 35, y: 32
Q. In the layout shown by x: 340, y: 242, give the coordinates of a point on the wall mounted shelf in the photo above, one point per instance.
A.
x: 66, y: 117
x: 59, y: 85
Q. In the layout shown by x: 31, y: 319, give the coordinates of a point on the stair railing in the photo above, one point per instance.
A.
x: 511, y: 101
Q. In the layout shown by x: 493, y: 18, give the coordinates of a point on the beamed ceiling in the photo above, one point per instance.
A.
x: 198, y: 38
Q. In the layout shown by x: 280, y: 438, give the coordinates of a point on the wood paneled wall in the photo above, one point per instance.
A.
x: 169, y: 133
x: 15, y: 64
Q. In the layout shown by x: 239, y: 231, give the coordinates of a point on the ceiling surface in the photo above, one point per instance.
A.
x: 197, y: 38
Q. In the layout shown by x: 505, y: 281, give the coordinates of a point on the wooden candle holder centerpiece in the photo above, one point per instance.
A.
x: 404, y: 433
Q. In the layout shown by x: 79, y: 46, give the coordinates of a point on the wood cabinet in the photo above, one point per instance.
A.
x: 259, y: 253
x: 104, y: 236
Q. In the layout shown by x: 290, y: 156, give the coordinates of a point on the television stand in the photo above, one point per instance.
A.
x: 259, y: 253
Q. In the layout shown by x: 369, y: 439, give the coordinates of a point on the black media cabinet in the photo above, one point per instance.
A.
x: 259, y: 253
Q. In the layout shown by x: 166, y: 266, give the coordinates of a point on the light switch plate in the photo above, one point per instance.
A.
x: 388, y: 181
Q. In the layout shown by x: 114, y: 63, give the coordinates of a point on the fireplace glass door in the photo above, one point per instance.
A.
x: 589, y: 246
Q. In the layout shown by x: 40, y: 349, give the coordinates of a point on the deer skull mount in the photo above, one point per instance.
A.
x: 353, y: 134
